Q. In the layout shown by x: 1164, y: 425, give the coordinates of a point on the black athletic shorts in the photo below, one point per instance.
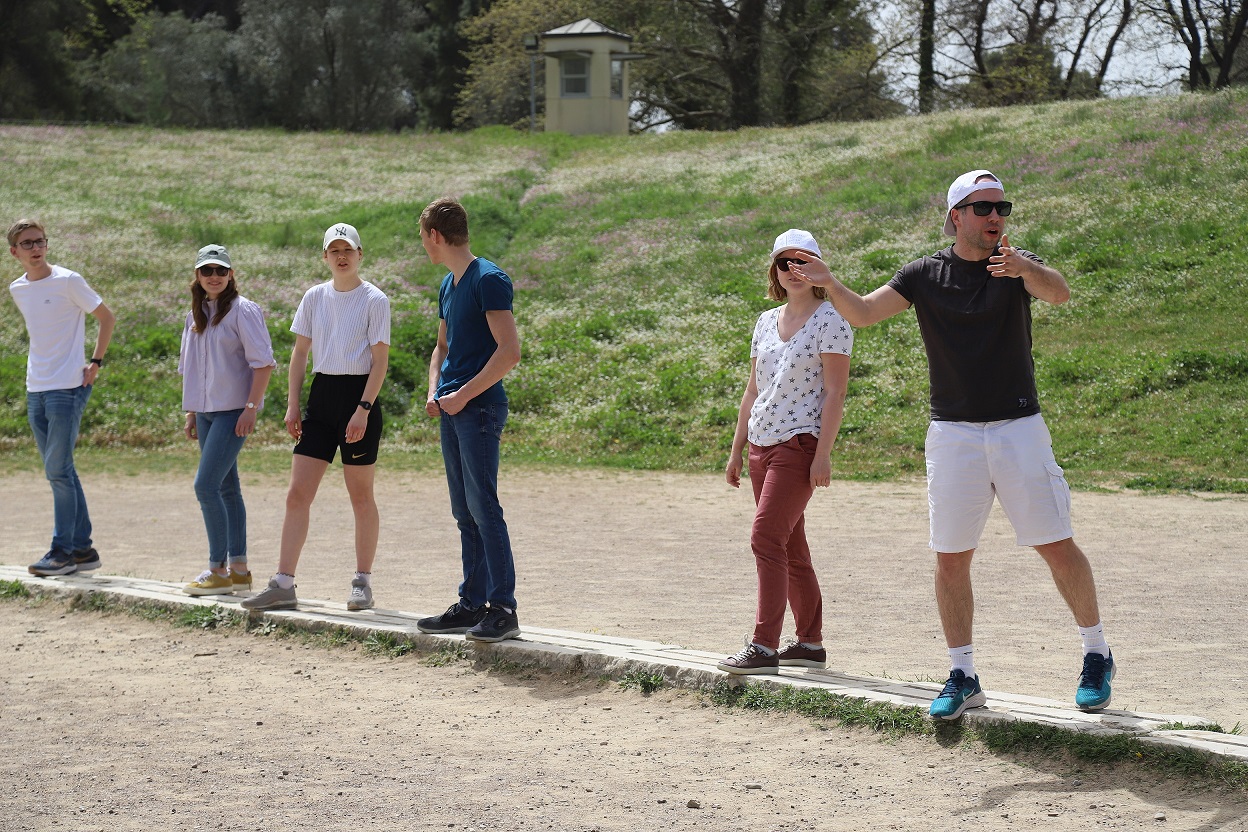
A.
x: 331, y: 404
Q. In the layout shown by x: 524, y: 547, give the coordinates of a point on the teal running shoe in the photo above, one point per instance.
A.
x: 1098, y: 671
x: 958, y: 694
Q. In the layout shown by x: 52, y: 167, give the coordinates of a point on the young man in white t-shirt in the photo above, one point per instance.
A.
x: 344, y: 325
x: 55, y: 303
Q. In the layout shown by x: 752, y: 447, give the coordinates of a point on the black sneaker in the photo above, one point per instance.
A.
x: 456, y: 619
x: 87, y: 559
x: 497, y: 625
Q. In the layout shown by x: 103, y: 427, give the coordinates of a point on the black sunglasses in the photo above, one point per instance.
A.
x: 782, y: 263
x: 983, y: 208
x: 209, y: 271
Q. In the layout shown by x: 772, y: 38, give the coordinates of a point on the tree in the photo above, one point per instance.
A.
x: 41, y: 42
x: 168, y: 71
x: 496, y: 88
x: 339, y: 64
x: 442, y: 72
x: 1211, y: 34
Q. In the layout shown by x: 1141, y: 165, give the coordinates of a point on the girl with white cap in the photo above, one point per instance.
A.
x: 790, y: 415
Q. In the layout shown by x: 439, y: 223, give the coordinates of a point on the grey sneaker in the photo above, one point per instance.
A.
x: 273, y: 598
x: 361, y: 597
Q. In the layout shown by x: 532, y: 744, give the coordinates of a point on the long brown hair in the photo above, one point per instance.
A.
x: 199, y: 302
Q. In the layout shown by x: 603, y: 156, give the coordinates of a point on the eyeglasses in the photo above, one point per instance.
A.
x: 209, y: 271
x: 984, y: 208
x: 28, y: 245
x: 782, y: 263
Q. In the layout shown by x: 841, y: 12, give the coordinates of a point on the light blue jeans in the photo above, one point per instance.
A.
x: 217, y: 488
x: 54, y: 416
x: 470, y: 441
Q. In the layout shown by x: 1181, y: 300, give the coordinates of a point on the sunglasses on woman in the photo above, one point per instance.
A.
x: 983, y: 208
x: 782, y: 263
x: 209, y: 271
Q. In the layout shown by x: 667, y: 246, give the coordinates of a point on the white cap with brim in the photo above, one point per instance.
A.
x: 341, y: 231
x: 964, y: 186
x: 213, y: 256
x: 796, y: 238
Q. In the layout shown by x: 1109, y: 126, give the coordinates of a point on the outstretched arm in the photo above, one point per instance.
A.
x: 859, y: 310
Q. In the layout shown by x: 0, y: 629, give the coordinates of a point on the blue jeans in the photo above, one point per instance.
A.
x: 470, y: 441
x: 217, y: 488
x: 54, y: 416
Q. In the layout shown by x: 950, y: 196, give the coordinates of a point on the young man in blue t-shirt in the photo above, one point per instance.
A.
x: 477, y: 346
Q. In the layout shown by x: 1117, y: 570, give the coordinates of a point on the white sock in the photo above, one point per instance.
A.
x: 1094, y: 640
x: 285, y: 581
x: 812, y: 645
x: 767, y: 651
x: 366, y: 577
x: 963, y: 658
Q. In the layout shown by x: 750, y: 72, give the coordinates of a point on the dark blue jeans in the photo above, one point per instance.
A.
x: 54, y: 416
x: 470, y: 442
x: 217, y: 488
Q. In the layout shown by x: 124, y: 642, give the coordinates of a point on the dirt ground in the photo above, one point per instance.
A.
x: 118, y: 715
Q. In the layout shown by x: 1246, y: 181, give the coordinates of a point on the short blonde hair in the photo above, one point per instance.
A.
x: 16, y: 229
x: 776, y: 290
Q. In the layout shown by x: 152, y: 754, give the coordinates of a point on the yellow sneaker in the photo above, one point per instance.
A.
x: 210, y: 583
x: 241, y: 581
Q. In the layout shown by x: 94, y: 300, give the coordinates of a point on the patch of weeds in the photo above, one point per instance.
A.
x: 94, y: 602
x: 266, y: 627
x: 206, y: 618
x: 449, y: 654
x: 893, y: 720
x: 1198, y: 726
x: 384, y: 643
x: 645, y: 682
x: 333, y: 637
x: 13, y: 589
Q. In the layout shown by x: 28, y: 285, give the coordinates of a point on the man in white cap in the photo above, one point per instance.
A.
x: 344, y: 324
x: 986, y: 438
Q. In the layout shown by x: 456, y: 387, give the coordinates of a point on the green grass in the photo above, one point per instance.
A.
x: 639, y: 266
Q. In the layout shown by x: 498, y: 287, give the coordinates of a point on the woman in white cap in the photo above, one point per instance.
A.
x: 226, y: 361
x: 790, y: 414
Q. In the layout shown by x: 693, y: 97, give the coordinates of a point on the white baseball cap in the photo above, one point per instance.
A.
x: 796, y: 238
x: 342, y: 231
x: 964, y: 186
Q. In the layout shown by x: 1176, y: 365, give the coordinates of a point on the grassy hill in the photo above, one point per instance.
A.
x: 640, y: 266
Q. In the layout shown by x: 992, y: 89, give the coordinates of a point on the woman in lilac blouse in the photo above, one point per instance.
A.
x: 225, y: 362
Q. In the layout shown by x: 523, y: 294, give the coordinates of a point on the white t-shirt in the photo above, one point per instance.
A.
x: 789, y: 374
x: 55, y: 309
x: 343, y: 327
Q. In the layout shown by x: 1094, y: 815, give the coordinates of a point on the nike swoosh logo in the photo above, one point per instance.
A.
x: 356, y: 456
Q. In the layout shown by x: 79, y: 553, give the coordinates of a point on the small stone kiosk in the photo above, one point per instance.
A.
x: 587, y: 78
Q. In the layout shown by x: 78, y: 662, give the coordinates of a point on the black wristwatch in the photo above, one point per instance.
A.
x: 99, y: 362
x: 366, y: 405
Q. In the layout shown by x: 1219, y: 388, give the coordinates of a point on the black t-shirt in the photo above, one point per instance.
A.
x: 977, y: 330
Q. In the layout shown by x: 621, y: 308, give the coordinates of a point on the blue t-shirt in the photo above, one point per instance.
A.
x: 483, y: 288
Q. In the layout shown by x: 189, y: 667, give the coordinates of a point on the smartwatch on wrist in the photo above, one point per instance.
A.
x: 366, y: 405
x: 99, y: 362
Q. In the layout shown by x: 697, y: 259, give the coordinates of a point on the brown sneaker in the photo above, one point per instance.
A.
x: 795, y: 655
x: 751, y: 662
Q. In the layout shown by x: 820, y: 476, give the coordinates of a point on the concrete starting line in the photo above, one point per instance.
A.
x: 593, y: 654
